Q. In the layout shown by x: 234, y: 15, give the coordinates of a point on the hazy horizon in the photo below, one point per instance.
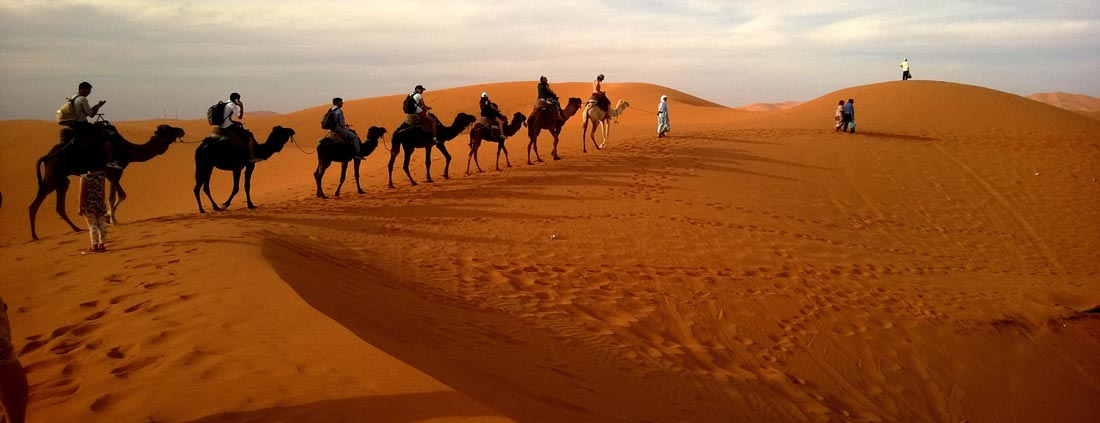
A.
x: 155, y: 59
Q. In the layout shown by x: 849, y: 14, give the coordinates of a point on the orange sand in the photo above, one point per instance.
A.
x: 756, y: 266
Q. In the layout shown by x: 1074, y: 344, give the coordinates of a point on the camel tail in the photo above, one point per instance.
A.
x: 38, y: 169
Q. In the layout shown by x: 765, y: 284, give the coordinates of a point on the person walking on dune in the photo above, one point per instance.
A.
x: 850, y: 116
x: 13, y: 378
x: 905, y: 69
x: 839, y: 116
x: 662, y: 117
x: 94, y: 209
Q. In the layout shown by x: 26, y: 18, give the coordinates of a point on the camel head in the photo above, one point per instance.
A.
x: 171, y: 133
x: 281, y: 133
x: 518, y: 117
x: 463, y: 120
x: 376, y: 132
x: 574, y: 101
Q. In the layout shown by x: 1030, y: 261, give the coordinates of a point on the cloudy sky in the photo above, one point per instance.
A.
x: 154, y: 59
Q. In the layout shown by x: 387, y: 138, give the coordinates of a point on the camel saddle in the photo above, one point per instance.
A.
x: 601, y: 101
x: 331, y: 137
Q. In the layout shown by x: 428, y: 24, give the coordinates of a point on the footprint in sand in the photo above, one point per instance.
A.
x: 124, y: 371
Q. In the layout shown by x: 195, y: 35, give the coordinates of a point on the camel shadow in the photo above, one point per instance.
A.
x: 397, y: 408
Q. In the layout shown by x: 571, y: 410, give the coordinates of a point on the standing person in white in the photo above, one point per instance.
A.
x: 905, y: 69
x: 662, y: 117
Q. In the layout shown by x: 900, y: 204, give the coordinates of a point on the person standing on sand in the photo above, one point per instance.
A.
x: 905, y: 69
x: 850, y: 116
x: 13, y: 379
x: 839, y: 116
x: 93, y: 208
x: 662, y: 117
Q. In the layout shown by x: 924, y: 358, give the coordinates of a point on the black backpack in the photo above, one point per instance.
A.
x: 215, y: 115
x: 328, y: 121
x: 410, y: 105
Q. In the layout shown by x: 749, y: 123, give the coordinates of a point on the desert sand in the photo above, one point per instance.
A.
x: 940, y: 265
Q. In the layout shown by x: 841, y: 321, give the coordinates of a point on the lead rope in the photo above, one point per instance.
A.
x: 292, y: 140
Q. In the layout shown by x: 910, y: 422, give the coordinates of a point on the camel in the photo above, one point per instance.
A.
x: 598, y: 116
x: 416, y: 137
x: 329, y: 150
x: 223, y: 153
x: 546, y: 119
x: 66, y: 159
x: 479, y: 133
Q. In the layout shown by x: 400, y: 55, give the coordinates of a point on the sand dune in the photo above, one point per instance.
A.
x: 940, y: 265
x: 1068, y: 101
x: 770, y: 107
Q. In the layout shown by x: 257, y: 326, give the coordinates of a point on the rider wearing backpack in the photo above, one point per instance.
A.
x: 340, y: 127
x: 83, y: 129
x: 416, y: 112
x: 236, y: 108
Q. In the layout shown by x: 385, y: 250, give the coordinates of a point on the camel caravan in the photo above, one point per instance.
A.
x: 89, y: 143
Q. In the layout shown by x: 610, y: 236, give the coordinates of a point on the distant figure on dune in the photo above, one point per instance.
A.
x: 905, y: 69
x: 839, y: 116
x: 13, y: 379
x: 850, y: 116
x: 93, y: 208
x: 340, y: 127
x: 662, y: 117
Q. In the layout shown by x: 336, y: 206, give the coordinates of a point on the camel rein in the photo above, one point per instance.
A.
x: 300, y: 147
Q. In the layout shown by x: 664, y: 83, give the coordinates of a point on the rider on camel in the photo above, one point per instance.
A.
x: 490, y: 113
x: 235, y: 107
x: 81, y: 128
x: 601, y: 97
x: 547, y: 98
x: 418, y: 114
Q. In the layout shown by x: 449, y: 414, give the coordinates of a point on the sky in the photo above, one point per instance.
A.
x: 167, y: 59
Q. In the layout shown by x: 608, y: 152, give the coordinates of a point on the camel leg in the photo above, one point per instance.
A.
x: 343, y: 176
x: 319, y: 175
x: 63, y: 189
x: 393, y: 156
x: 554, y: 152
x: 248, y: 184
x: 236, y: 188
x: 447, y: 165
x: 43, y: 191
x: 357, y: 186
x: 428, y: 164
x: 584, y: 135
x: 116, y: 197
x: 534, y: 135
x: 606, y: 132
x: 202, y: 181
x: 198, y: 186
x: 408, y: 156
x: 475, y: 143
